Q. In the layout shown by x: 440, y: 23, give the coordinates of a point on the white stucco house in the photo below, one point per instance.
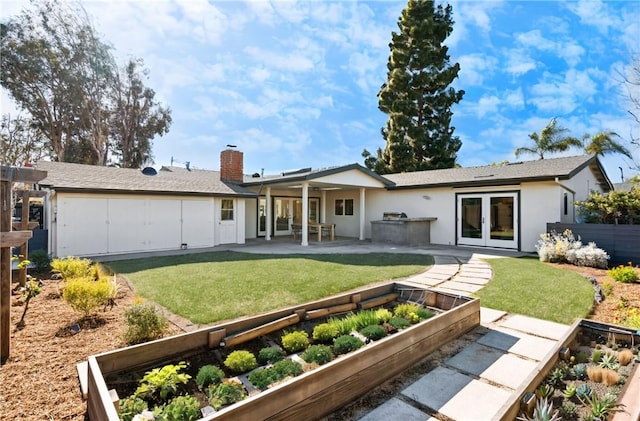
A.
x: 102, y: 210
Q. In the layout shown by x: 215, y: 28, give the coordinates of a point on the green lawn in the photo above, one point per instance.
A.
x: 527, y: 286
x: 208, y: 287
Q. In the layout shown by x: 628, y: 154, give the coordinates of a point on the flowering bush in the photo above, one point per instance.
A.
x: 626, y: 274
x: 554, y: 247
x: 626, y: 315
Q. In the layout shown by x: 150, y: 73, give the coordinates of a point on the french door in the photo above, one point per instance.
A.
x: 287, y: 211
x: 488, y: 219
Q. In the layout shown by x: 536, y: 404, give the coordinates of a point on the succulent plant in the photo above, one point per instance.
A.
x: 609, y: 361
x: 579, y: 371
x: 583, y: 391
x: 543, y: 411
x: 570, y: 390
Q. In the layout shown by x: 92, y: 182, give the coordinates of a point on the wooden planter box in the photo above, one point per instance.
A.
x: 315, y: 393
x: 512, y: 408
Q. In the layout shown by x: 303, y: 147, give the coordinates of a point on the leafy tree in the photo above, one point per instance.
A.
x: 57, y: 69
x: 137, y: 117
x: 20, y: 141
x: 551, y: 139
x: 617, y: 207
x: 603, y: 143
x: 417, y: 96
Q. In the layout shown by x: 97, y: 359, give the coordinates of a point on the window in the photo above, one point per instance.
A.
x: 226, y: 213
x: 344, y: 207
x: 566, y: 204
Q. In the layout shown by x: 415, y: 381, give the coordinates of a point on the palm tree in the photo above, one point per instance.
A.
x: 551, y: 139
x: 603, y: 143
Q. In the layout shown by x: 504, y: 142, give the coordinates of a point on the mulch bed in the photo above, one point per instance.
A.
x: 39, y: 381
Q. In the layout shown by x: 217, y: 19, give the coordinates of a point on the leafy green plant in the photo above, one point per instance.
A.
x: 295, y: 341
x: 399, y: 322
x: 617, y: 206
x: 543, y: 411
x: 373, y: 332
x: 425, y: 313
x: 365, y: 318
x: 383, y: 315
x: 581, y: 357
x: 600, y: 408
x: 241, y: 361
x: 544, y: 391
x: 344, y: 325
x: 41, y: 260
x: 579, y: 371
x: 625, y: 274
x: 209, y: 374
x: 568, y: 411
x: 130, y: 407
x: 346, y: 343
x: 86, y: 294
x: 609, y: 361
x: 319, y: 354
x: 406, y: 310
x: 287, y: 368
x: 181, y: 408
x: 569, y: 390
x: 225, y: 393
x: 596, y: 355
x: 72, y: 267
x: 262, y: 378
x: 557, y: 376
x: 607, y: 288
x: 144, y: 323
x: 270, y: 355
x: 325, y: 332
x: 160, y: 383
x: 27, y: 292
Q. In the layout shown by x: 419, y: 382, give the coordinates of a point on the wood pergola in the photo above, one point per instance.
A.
x: 10, y: 238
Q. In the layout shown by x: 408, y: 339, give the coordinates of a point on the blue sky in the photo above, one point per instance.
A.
x: 294, y: 84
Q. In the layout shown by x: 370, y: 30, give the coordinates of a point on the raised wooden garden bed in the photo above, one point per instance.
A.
x: 584, y: 337
x: 315, y: 393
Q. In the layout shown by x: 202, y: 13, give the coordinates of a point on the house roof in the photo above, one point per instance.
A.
x: 64, y: 176
x: 309, y: 174
x: 511, y: 173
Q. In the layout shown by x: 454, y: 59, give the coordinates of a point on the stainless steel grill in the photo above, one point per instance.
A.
x: 393, y: 216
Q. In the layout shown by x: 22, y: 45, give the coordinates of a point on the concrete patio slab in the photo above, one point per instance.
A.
x: 395, y: 409
x: 489, y: 315
x: 477, y: 280
x: 424, y: 280
x: 509, y: 370
x: 520, y: 343
x: 449, y: 290
x: 437, y: 387
x: 475, y: 359
x: 475, y: 274
x: 434, y: 275
x: 461, y: 286
x: 476, y: 401
x: 542, y: 328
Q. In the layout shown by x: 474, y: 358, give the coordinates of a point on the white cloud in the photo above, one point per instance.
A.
x: 487, y: 105
x: 518, y: 62
x: 475, y: 67
x: 594, y: 13
x: 293, y: 61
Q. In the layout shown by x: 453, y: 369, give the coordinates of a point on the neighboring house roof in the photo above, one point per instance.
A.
x: 511, y: 173
x: 308, y: 174
x: 63, y: 176
x: 624, y: 186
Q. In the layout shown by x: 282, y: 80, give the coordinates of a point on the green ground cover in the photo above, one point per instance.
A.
x: 529, y: 287
x: 214, y: 286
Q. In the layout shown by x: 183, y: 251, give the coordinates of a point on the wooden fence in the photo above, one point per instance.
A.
x: 622, y: 242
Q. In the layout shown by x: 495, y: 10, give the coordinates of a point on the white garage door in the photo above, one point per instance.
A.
x: 82, y: 226
x: 127, y: 223
x: 197, y: 223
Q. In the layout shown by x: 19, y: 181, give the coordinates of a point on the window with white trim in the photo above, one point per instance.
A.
x: 226, y: 212
x: 343, y: 207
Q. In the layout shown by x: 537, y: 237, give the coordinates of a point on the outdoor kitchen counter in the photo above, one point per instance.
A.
x: 402, y: 231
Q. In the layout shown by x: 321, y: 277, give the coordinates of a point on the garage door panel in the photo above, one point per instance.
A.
x: 197, y: 223
x: 127, y: 220
x: 163, y: 228
x: 82, y: 228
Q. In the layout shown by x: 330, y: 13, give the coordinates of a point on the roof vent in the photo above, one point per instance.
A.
x: 484, y: 176
x: 255, y: 175
x: 149, y: 171
x: 515, y: 163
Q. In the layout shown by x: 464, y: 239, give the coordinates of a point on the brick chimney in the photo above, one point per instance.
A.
x: 231, y: 166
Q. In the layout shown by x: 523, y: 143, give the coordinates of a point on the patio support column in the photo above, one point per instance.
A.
x: 268, y: 217
x: 362, y: 215
x: 305, y: 214
x: 323, y: 207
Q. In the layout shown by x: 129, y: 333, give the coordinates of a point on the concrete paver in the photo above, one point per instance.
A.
x: 475, y: 359
x: 489, y: 315
x: 476, y: 401
x: 509, y: 370
x: 461, y: 286
x: 542, y: 328
x: 395, y: 409
x: 437, y: 387
x: 477, y: 280
x: 520, y: 343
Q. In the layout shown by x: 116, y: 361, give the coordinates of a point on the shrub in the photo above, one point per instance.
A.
x: 41, y: 260
x: 425, y: 314
x: 399, y: 322
x: 181, y: 408
x: 595, y: 374
x: 280, y: 370
x: 295, y: 341
x: 209, y: 374
x: 72, y: 267
x: 241, y: 361
x: 130, y: 407
x: 287, y: 368
x: 346, y: 343
x: 365, y: 318
x: 625, y: 274
x: 144, y: 323
x: 160, y: 383
x: 610, y: 377
x: 589, y: 255
x: 270, y: 355
x: 325, y: 332
x: 405, y: 310
x: 553, y: 247
x: 383, y: 315
x: 261, y: 378
x: 625, y: 356
x: 320, y: 354
x: 345, y: 325
x: 86, y: 294
x: 617, y: 206
x: 228, y: 392
x: 373, y: 332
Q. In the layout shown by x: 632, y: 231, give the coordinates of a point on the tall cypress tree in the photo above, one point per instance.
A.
x: 417, y: 96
